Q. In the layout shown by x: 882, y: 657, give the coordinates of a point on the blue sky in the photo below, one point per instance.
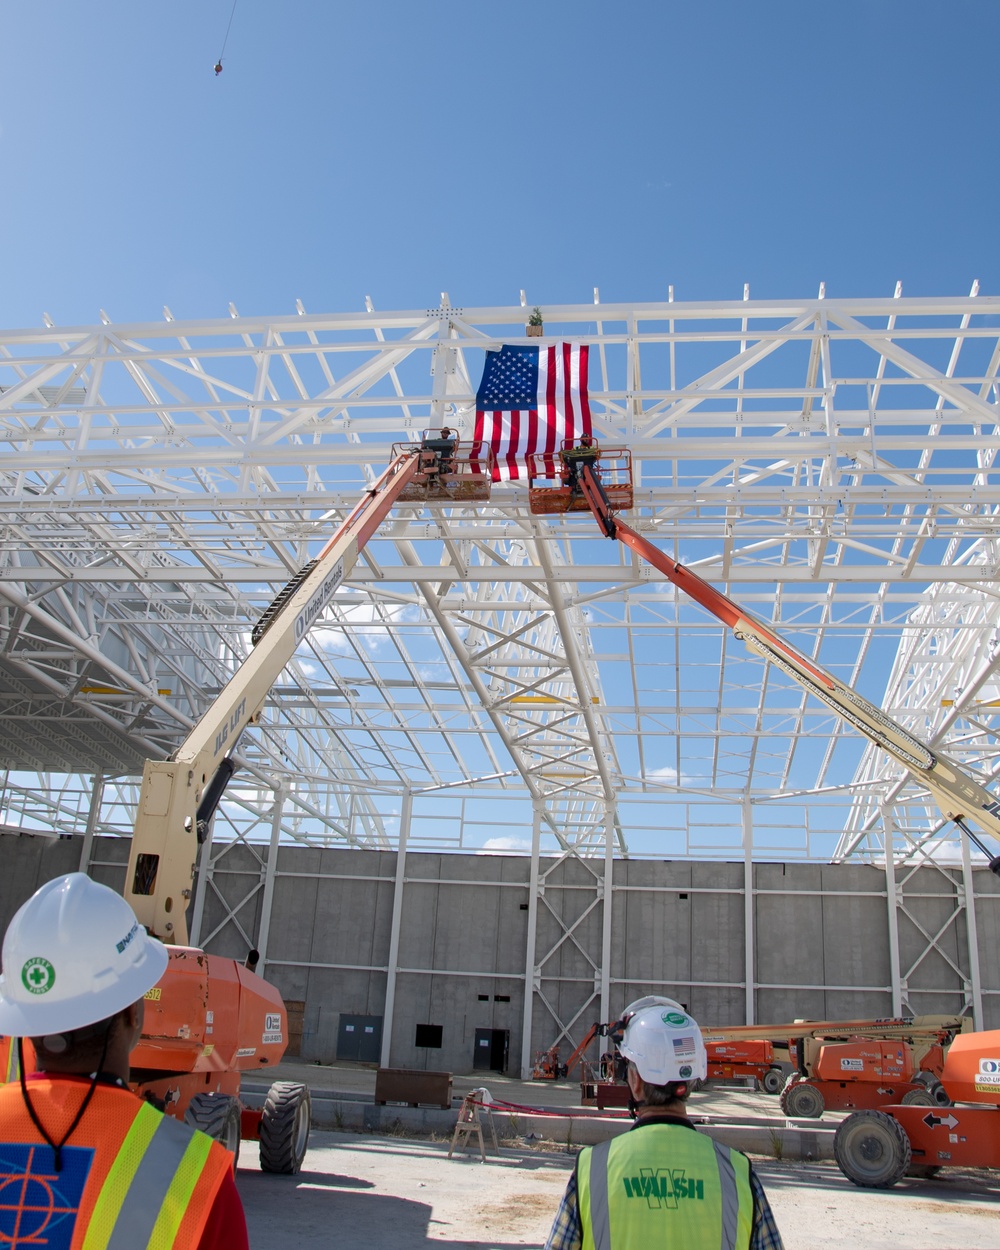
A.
x: 398, y: 150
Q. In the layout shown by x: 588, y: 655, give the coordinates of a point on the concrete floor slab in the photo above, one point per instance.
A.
x: 374, y: 1190
x: 377, y: 1193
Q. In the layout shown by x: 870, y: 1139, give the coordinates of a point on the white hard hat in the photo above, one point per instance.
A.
x: 651, y: 1000
x: 74, y: 954
x: 664, y: 1043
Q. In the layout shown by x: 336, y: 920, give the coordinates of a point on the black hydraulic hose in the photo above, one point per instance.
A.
x: 212, y: 797
x: 994, y: 860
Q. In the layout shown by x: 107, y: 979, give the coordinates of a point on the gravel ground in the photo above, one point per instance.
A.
x: 374, y: 1193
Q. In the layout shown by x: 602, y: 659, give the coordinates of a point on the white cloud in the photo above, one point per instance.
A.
x: 505, y: 844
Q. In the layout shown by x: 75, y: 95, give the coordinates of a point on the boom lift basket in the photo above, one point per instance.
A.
x: 449, y: 471
x: 612, y: 467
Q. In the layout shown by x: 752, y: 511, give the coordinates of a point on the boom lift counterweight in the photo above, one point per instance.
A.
x: 582, y: 487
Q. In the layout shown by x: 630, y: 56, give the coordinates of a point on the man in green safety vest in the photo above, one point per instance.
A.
x: 663, y: 1184
x: 84, y: 1163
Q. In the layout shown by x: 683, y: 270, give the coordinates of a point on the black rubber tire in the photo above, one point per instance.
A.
x: 284, y: 1127
x: 918, y: 1098
x: 802, y: 1101
x: 218, y: 1115
x: 931, y: 1083
x: 772, y: 1081
x: 940, y: 1095
x: 872, y: 1149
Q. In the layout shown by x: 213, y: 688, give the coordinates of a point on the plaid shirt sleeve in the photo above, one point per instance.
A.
x: 567, y: 1232
x: 765, y: 1235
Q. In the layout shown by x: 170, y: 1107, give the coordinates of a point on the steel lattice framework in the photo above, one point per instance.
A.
x: 488, y: 678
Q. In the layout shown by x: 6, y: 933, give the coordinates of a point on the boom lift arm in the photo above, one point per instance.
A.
x: 179, y: 796
x: 957, y: 795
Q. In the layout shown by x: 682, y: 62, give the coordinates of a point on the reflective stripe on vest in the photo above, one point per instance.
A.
x: 147, y: 1190
x: 13, y: 1072
x: 599, y: 1213
x: 728, y: 1216
x: 730, y: 1196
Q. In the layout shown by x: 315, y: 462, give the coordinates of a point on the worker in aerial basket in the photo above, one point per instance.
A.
x: 663, y: 1184
x: 83, y: 1161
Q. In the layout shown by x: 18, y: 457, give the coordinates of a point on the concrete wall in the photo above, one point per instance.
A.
x: 678, y: 928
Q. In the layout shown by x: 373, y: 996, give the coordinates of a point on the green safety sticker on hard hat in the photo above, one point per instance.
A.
x: 38, y: 975
x: 674, y: 1017
x: 684, y: 1071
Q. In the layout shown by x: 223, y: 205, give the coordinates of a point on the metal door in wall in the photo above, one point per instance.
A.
x: 490, y: 1050
x: 359, y: 1038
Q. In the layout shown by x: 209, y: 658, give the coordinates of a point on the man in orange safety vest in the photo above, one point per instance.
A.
x: 83, y: 1161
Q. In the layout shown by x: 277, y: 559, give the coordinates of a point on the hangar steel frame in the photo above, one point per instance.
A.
x: 492, y: 680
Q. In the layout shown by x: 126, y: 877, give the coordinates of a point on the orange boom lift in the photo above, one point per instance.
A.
x: 589, y: 479
x: 210, y: 1019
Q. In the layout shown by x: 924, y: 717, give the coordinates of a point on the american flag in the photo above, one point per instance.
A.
x: 532, y: 399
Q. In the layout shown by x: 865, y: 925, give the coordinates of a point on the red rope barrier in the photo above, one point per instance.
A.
x: 499, y: 1105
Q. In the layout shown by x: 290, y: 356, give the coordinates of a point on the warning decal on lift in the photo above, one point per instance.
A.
x: 988, y: 1077
x: 938, y: 1121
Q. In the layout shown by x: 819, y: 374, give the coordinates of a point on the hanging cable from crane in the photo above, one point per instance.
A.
x: 218, y: 64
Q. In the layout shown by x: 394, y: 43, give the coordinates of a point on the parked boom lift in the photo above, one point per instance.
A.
x: 209, y: 1019
x: 875, y: 1149
x: 839, y: 1064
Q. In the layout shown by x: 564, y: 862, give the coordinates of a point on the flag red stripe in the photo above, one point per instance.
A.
x: 496, y: 441
x: 513, y: 444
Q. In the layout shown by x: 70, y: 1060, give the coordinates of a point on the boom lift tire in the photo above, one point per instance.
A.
x: 802, y: 1101
x: 772, y: 1081
x: 218, y: 1115
x: 918, y: 1098
x: 933, y: 1085
x: 940, y: 1095
x: 284, y: 1127
x: 872, y: 1149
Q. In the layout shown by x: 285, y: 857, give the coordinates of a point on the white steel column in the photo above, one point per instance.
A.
x: 264, y: 932
x: 607, y: 901
x: 971, y: 932
x: 749, y: 932
x: 397, y: 914
x: 531, y: 973
x: 93, y: 815
x: 892, y: 909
